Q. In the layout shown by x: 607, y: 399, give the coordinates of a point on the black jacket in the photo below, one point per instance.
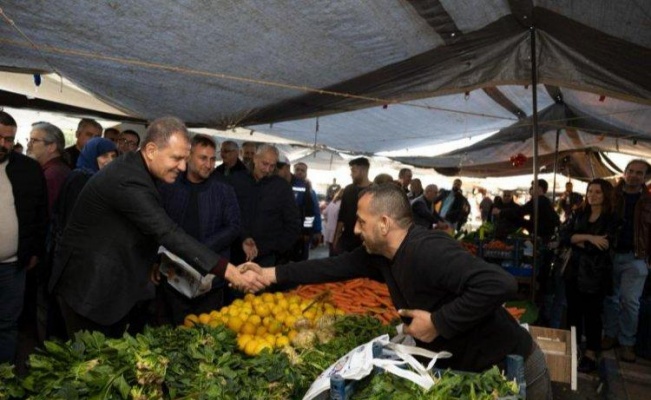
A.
x: 101, y: 266
x: 548, y: 220
x: 432, y: 272
x: 589, y: 265
x: 424, y: 214
x: 30, y: 198
x: 269, y: 212
x: 458, y: 211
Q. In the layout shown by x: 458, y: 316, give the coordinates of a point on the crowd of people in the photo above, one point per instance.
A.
x: 83, y: 226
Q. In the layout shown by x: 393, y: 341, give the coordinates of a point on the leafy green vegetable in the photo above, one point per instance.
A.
x: 203, y: 363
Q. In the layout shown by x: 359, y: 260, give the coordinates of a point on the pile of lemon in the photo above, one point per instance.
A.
x: 266, y: 321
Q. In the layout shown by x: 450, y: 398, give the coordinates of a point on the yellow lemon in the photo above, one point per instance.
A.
x: 250, y: 347
x: 282, y: 341
x: 268, y: 298
x: 290, y: 321
x: 255, y: 320
x: 263, y: 346
x: 262, y: 310
x: 190, y: 320
x: 249, y: 297
x: 235, y: 324
x: 261, y: 330
x: 279, y: 296
x: 275, y: 327
x: 204, y: 319
x: 248, y: 327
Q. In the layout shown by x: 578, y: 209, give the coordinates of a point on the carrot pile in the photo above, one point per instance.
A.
x: 356, y: 296
x: 516, y: 312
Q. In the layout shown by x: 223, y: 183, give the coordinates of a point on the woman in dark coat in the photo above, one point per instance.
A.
x: 590, y: 232
x: 96, y: 154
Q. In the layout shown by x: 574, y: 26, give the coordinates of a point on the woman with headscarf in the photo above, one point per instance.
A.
x: 96, y: 154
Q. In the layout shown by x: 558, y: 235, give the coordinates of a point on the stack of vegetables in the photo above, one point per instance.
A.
x: 203, y: 362
x: 273, y: 320
x: 357, y: 296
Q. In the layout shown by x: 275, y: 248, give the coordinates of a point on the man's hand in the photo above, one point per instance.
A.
x: 421, y: 326
x: 249, y: 281
x: 250, y: 249
x: 268, y: 273
x: 154, y: 274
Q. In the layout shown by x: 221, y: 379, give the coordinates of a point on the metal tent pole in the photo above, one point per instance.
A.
x: 534, y: 95
x: 558, y: 134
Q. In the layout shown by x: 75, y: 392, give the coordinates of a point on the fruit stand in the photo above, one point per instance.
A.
x: 270, y: 346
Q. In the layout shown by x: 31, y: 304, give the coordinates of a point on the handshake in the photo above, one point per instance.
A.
x: 250, y: 277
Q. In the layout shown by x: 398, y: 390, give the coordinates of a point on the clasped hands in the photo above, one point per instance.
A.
x: 249, y: 277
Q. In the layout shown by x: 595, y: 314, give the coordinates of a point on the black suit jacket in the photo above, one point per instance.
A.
x: 101, y: 266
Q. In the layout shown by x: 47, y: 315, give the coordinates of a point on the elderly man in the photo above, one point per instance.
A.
x: 270, y: 218
x: 128, y: 141
x: 631, y: 260
x: 206, y: 208
x: 86, y: 130
x: 23, y: 217
x: 424, y: 213
x: 449, y: 300
x: 230, y: 161
x: 454, y: 205
x: 46, y: 145
x: 97, y: 280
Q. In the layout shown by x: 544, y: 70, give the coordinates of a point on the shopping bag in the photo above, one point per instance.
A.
x: 396, y: 358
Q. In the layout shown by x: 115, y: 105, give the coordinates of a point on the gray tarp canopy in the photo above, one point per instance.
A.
x: 380, y: 75
x: 582, y: 142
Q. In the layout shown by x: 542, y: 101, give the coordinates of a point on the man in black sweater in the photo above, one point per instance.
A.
x: 448, y: 299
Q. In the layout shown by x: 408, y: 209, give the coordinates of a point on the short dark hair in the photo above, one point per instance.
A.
x: 391, y: 200
x: 636, y: 161
x: 89, y: 121
x: 542, y: 184
x: 203, y: 140
x: 360, y: 161
x: 107, y: 130
x: 403, y: 171
x: 231, y: 145
x: 7, y: 120
x: 131, y: 132
x: 161, y: 130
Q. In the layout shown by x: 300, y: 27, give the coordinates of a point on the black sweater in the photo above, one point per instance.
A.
x: 432, y: 272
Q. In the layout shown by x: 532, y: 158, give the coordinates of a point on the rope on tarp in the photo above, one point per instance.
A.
x: 219, y: 75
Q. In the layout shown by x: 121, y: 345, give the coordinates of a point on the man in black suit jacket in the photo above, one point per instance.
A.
x: 101, y: 266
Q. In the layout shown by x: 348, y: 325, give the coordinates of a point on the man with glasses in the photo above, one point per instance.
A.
x: 230, y: 160
x: 46, y: 145
x: 22, y: 217
x: 128, y: 141
x: 86, y: 130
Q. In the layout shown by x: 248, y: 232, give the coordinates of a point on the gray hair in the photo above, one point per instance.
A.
x: 267, y: 148
x: 91, y: 122
x: 52, y: 135
x: 390, y: 200
x: 161, y: 130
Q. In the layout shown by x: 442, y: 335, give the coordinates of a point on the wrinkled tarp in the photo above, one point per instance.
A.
x: 276, y: 65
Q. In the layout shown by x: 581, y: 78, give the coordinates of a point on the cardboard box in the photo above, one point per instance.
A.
x: 559, y: 347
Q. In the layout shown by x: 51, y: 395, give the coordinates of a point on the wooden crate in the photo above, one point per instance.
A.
x: 559, y: 347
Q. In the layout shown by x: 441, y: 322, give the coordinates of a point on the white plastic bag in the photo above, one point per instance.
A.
x: 182, y: 277
x: 360, y: 362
